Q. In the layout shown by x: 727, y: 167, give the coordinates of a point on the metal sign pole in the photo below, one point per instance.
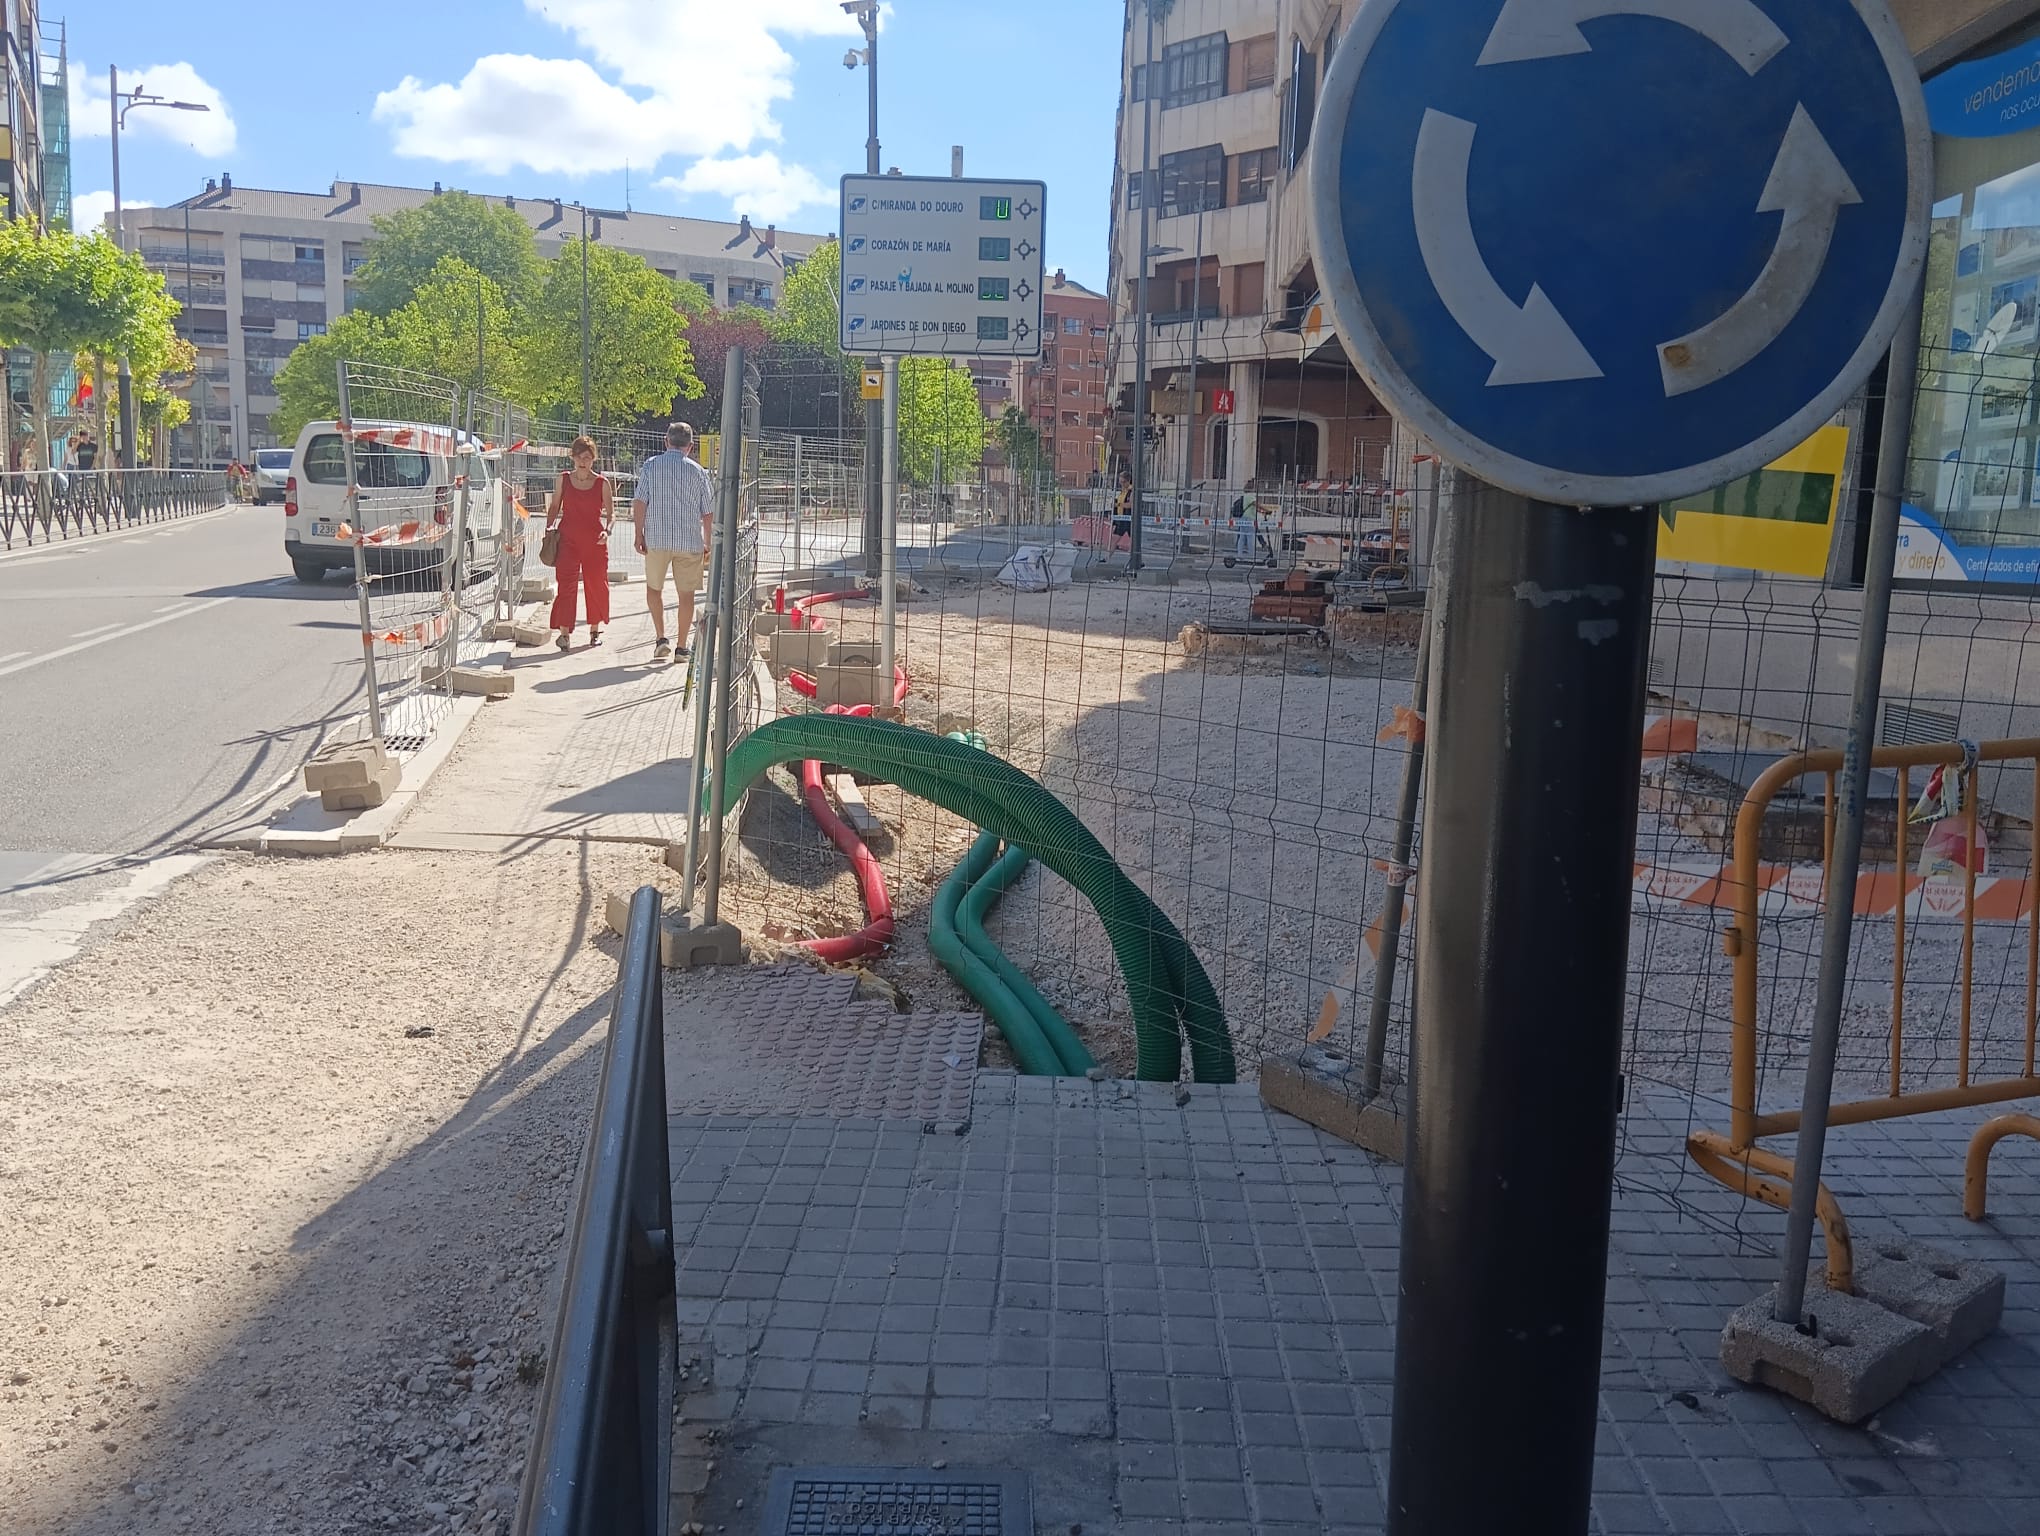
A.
x: 1516, y: 1058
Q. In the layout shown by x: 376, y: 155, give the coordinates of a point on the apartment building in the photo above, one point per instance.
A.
x: 21, y: 112
x: 1064, y: 390
x: 259, y: 271
x: 1249, y: 385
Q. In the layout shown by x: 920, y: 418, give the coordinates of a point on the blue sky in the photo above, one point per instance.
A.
x: 719, y: 107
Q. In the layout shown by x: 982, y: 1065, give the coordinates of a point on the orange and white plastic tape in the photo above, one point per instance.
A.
x: 425, y: 632
x: 416, y: 531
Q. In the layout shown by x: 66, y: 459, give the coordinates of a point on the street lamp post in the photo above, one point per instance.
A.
x: 119, y: 107
x: 866, y: 12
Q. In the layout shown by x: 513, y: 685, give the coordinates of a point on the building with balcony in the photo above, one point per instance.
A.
x: 1226, y: 103
x: 1064, y: 390
x: 259, y: 271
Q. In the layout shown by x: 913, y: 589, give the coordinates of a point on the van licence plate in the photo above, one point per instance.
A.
x: 322, y: 530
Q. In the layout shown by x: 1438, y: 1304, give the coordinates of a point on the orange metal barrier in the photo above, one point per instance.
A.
x: 1735, y: 1158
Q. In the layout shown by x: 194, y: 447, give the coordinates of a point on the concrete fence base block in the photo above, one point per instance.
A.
x: 618, y: 578
x: 500, y: 629
x: 1323, y: 1090
x: 687, y: 944
x: 478, y: 682
x: 535, y: 589
x: 529, y: 632
x: 1856, y: 1359
x: 346, y: 765
x: 1162, y: 574
x: 1958, y: 1301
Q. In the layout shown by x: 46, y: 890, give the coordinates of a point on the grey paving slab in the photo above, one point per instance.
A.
x: 1189, y: 1312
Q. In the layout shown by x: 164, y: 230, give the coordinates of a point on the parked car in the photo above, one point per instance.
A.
x: 272, y: 473
x: 407, y: 473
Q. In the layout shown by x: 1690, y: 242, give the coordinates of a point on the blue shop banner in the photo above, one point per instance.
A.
x: 1987, y: 98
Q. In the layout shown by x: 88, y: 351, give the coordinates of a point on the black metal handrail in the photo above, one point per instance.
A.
x: 601, y: 1451
x: 37, y: 506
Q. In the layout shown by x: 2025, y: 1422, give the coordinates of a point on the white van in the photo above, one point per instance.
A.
x: 407, y: 472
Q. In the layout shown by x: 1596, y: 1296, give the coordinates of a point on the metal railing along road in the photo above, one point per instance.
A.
x: 38, y: 507
x: 601, y: 1448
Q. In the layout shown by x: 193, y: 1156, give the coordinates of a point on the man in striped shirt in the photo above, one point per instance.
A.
x: 674, y: 505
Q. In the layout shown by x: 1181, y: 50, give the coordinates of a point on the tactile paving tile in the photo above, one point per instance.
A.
x: 897, y: 1501
x: 791, y: 1041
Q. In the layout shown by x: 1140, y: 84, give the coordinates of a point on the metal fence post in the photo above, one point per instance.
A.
x: 1852, y: 788
x: 375, y: 719
x: 796, y: 501
x: 1399, y: 870
x: 455, y: 561
x: 725, y: 606
x: 890, y: 536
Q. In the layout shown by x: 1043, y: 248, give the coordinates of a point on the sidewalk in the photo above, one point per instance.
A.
x: 593, y: 744
x: 1175, y: 1313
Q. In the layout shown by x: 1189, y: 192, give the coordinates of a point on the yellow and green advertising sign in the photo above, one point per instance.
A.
x: 1781, y: 519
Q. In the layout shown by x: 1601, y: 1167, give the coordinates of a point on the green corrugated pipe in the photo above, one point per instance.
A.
x: 1031, y: 1050
x: 970, y: 925
x: 1165, y: 982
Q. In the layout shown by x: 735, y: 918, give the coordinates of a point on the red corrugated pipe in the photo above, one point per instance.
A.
x: 876, y: 936
x: 800, y: 606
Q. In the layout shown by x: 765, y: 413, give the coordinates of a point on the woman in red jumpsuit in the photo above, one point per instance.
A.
x: 580, y: 510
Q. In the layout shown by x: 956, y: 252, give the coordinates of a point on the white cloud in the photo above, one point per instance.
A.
x: 212, y: 132
x: 669, y: 77
x: 89, y: 210
x: 758, y: 185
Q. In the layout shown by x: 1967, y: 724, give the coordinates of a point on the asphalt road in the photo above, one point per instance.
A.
x: 154, y: 686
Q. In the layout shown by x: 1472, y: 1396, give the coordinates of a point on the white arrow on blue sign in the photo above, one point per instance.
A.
x: 1611, y: 252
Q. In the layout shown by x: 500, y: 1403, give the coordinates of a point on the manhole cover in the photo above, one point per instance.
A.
x: 897, y: 1501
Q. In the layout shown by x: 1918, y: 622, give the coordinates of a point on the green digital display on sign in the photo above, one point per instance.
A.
x: 997, y: 209
x: 994, y: 248
x: 991, y: 328
x: 992, y: 290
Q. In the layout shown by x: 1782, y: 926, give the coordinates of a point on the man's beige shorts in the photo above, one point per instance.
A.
x: 687, y: 569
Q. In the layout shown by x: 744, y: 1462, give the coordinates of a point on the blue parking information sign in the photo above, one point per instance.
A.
x: 1611, y: 252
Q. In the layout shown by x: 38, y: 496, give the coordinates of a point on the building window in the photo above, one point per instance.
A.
x: 307, y: 329
x: 1189, y: 71
x: 1073, y: 325
x: 1254, y: 169
x: 309, y: 253
x: 1135, y: 182
x: 1257, y: 63
x: 310, y: 293
x: 1301, y: 106
x: 1073, y: 387
x: 1193, y: 179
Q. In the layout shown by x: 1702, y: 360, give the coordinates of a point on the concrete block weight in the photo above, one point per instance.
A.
x: 1853, y: 1359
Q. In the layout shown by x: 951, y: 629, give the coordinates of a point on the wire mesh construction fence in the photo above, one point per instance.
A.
x: 426, y: 515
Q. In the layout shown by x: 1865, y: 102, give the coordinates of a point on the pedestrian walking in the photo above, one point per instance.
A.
x: 580, y: 510
x: 674, y: 505
x: 88, y: 450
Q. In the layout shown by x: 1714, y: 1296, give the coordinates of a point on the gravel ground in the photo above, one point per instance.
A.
x: 278, y: 1220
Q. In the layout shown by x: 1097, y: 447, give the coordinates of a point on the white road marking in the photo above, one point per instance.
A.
x: 122, y: 633
x: 102, y: 629
x: 12, y: 656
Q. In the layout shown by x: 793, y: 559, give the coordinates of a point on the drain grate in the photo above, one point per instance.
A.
x: 400, y: 745
x: 898, y: 1501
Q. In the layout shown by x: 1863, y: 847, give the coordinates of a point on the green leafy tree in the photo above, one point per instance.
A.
x: 710, y: 337
x: 939, y: 409
x: 458, y: 325
x: 637, y: 328
x: 410, y: 245
x: 61, y: 295
x: 807, y: 301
